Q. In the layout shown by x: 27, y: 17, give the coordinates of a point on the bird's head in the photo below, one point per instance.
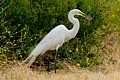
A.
x: 78, y: 12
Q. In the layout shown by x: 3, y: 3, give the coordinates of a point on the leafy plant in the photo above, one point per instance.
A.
x: 23, y: 23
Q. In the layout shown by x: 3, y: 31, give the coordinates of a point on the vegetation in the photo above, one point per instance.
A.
x: 24, y: 73
x: 23, y: 23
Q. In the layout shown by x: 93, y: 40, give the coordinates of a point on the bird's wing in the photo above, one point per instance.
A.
x: 55, y: 37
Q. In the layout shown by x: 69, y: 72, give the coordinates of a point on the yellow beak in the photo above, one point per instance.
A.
x: 87, y: 17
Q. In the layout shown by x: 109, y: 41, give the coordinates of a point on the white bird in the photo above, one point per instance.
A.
x: 56, y: 37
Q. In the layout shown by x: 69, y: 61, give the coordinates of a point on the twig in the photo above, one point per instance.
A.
x: 5, y: 8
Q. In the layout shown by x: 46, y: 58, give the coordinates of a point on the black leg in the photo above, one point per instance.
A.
x: 55, y: 60
x: 48, y: 65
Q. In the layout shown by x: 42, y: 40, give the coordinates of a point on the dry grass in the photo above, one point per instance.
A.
x: 23, y: 73
x: 103, y: 72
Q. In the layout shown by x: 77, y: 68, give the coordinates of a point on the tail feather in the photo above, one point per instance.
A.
x: 30, y: 56
x: 31, y: 60
x: 38, y: 50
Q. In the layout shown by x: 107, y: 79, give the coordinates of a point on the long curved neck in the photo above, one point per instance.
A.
x: 76, y: 24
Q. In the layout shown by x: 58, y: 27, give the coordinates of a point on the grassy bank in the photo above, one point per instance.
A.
x: 106, y: 71
x: 24, y: 73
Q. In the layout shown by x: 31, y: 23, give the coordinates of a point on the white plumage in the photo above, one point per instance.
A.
x: 56, y: 37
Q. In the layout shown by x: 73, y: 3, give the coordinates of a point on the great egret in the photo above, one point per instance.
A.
x: 56, y: 37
